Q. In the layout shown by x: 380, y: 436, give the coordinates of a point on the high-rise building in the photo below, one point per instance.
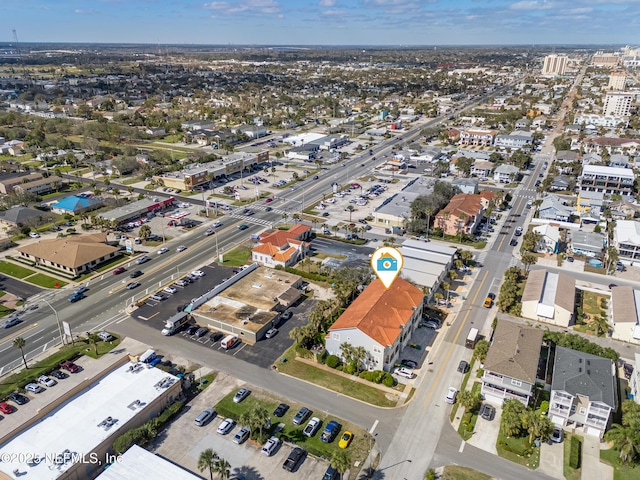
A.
x: 554, y: 64
x: 607, y: 60
x: 617, y: 81
x: 617, y: 103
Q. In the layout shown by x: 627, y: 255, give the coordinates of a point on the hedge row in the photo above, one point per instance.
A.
x: 574, y: 452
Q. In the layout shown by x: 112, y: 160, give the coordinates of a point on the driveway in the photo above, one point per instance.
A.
x: 485, y: 435
x: 551, y: 459
x: 592, y: 467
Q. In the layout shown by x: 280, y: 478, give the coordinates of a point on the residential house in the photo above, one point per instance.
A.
x: 597, y: 120
x: 561, y: 183
x: 584, y: 392
x: 505, y: 173
x: 522, y: 123
x: 625, y: 314
x: 566, y: 160
x: 514, y: 140
x: 71, y: 256
x: 590, y: 203
x: 482, y: 168
x: 591, y: 159
x: 253, y: 131
x: 155, y: 132
x: 619, y: 160
x: 626, y: 239
x: 511, y: 366
x: 612, y: 145
x: 623, y: 209
x: 463, y: 212
x: 539, y: 121
x: 76, y: 205
x: 549, y: 297
x: 452, y: 134
x: 553, y: 209
x: 549, y: 238
x: 381, y: 320
x: 477, y: 137
x: 590, y: 244
x: 466, y: 185
x: 21, y: 215
x: 280, y: 247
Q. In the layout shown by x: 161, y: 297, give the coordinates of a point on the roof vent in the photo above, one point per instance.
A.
x: 579, y: 360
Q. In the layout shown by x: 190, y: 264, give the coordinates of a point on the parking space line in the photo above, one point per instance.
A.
x: 240, y: 349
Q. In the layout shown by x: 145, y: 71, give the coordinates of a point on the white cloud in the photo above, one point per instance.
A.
x: 532, y: 5
x: 327, y: 3
x: 247, y: 6
x: 334, y: 13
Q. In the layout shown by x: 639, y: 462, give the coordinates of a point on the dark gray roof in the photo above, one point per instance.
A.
x: 515, y: 351
x: 585, y: 374
x: 19, y: 214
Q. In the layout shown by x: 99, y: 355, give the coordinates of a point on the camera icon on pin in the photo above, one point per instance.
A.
x: 386, y: 263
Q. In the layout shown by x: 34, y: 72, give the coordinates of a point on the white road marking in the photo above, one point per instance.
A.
x: 462, y: 446
x: 373, y: 427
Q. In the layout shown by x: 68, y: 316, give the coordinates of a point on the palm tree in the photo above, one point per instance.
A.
x: 335, y: 229
x: 350, y: 209
x: 207, y: 461
x: 285, y: 216
x: 428, y: 211
x: 600, y: 324
x: 461, y: 224
x: 346, y: 351
x: 93, y: 340
x: 359, y: 356
x: 19, y: 343
x: 341, y: 461
x: 537, y: 425
x: 145, y: 232
x: 222, y: 468
x: 625, y: 440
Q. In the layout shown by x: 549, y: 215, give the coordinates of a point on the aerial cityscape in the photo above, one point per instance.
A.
x: 402, y: 244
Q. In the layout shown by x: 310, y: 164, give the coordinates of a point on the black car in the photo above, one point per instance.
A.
x: 628, y: 370
x: 294, y: 459
x: 281, y: 410
x: 192, y: 329
x: 408, y: 363
x: 513, y: 242
x: 136, y: 274
x: 58, y: 374
x: 201, y: 332
x: 487, y: 412
x: 18, y: 398
x: 215, y: 336
x: 463, y: 366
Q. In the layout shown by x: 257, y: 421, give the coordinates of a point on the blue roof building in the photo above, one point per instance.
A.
x: 76, y: 205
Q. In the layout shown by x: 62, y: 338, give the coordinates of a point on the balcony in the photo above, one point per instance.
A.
x: 598, y: 412
x: 596, y: 422
x: 498, y: 392
x: 561, y: 412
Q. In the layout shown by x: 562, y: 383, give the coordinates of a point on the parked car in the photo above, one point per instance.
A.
x: 69, y: 366
x: 404, y: 372
x: 33, y: 388
x: 312, y: 427
x: 452, y: 393
x: 406, y: 363
x: 226, y: 426
x: 345, y: 440
x: 294, y: 459
x: 271, y: 446
x: 281, y: 410
x: 205, y: 417
x: 330, y: 431
x: 158, y: 297
x: 301, y: 416
x: 170, y: 290
x: 286, y: 315
x: 557, y: 436
x: 201, y: 332
x: 6, y: 408
x: 46, y: 381
x: 191, y: 329
x: 330, y: 474
x: 487, y: 411
x: 59, y: 375
x: 198, y: 273
x: 241, y: 395
x: 18, y: 398
x: 215, y: 336
x: 271, y: 333
x: 628, y: 370
x: 242, y: 435
x: 518, y: 231
x: 463, y: 366
x: 182, y: 283
x: 513, y: 242
x: 34, y: 235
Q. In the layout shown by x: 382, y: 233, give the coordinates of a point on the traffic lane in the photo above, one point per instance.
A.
x: 20, y: 289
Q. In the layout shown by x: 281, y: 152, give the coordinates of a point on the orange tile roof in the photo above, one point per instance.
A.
x: 467, y: 203
x: 379, y: 312
x: 281, y: 244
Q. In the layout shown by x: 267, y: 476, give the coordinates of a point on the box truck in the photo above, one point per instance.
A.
x: 175, y: 323
x: 229, y: 341
x: 472, y: 338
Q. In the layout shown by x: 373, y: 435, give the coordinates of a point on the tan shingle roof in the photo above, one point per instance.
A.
x: 565, y: 291
x: 379, y: 313
x: 72, y: 251
x: 515, y: 351
x: 623, y: 304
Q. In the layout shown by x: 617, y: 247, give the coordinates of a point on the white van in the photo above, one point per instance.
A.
x: 148, y: 356
x: 229, y: 341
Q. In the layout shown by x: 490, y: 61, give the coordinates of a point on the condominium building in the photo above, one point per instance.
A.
x: 477, y: 137
x: 617, y: 81
x: 554, y: 65
x: 607, y: 60
x: 608, y: 180
x: 617, y: 104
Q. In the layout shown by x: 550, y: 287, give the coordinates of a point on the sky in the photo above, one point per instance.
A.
x: 324, y: 22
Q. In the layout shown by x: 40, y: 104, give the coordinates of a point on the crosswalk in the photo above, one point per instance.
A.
x: 251, y: 219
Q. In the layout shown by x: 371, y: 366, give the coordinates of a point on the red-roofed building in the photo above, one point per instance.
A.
x: 464, y: 212
x: 379, y: 320
x: 282, y: 247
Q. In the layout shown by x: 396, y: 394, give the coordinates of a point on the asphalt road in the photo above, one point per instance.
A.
x: 18, y: 288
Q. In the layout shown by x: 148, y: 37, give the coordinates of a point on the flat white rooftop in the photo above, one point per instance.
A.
x: 303, y: 138
x: 137, y: 463
x: 76, y: 428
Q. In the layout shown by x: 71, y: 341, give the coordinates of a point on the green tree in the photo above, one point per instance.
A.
x: 481, y: 349
x: 207, y: 461
x: 20, y: 343
x: 222, y: 468
x: 350, y: 209
x: 145, y: 232
x: 470, y: 400
x: 528, y: 259
x: 626, y: 440
x: 93, y: 340
x: 600, y: 324
x: 530, y: 240
x: 511, y: 423
x: 341, y: 460
x: 538, y: 426
x: 464, y: 164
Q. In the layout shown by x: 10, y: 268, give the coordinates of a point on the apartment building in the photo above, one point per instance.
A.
x: 617, y: 104
x: 555, y: 64
x: 463, y: 212
x: 617, y: 81
x: 608, y: 180
x: 477, y: 137
x: 607, y: 60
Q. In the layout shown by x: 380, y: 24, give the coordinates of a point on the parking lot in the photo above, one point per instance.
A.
x: 245, y: 459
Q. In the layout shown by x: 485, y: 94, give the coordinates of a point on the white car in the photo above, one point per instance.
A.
x: 170, y: 290
x: 217, y: 224
x: 226, y: 426
x: 452, y: 393
x: 46, y: 381
x: 405, y: 372
x: 34, y: 235
x: 182, y: 283
x: 33, y: 388
x: 271, y: 446
x: 163, y: 250
x: 271, y: 333
x: 181, y: 248
x: 198, y: 273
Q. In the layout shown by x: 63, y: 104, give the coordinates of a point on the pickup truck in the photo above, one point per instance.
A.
x: 330, y: 431
x: 312, y: 427
x: 293, y: 460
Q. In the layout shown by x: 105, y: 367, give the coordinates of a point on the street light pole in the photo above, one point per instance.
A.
x: 57, y: 320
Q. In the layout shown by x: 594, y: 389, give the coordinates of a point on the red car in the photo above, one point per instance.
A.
x: 6, y: 408
x: 69, y: 366
x: 119, y: 270
x: 268, y: 200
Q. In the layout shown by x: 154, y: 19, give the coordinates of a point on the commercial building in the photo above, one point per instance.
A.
x: 583, y: 392
x: 249, y: 303
x: 71, y: 256
x: 549, y: 297
x: 555, y: 64
x: 608, y: 180
x: 380, y: 320
x: 137, y: 463
x: 618, y: 104
x: 396, y: 209
x: 76, y: 205
x: 83, y: 424
x: 617, y: 81
x: 137, y: 209
x: 426, y: 263
x: 607, y: 60
x: 511, y: 366
x: 280, y: 247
